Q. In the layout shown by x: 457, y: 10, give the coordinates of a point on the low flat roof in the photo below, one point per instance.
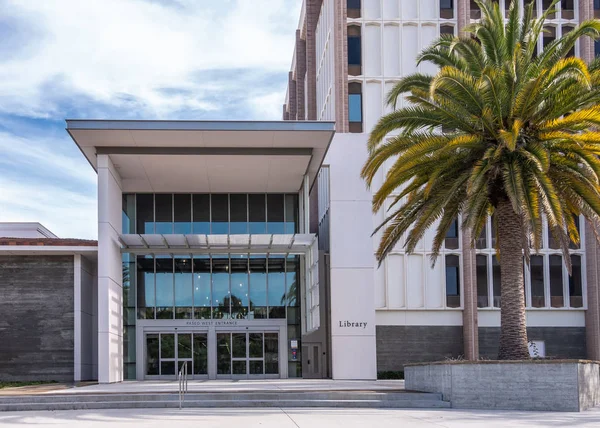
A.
x: 206, y: 156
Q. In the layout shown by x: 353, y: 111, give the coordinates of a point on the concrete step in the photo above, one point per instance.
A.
x: 362, y: 399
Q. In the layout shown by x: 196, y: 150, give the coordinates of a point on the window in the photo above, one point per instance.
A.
x: 452, y: 281
x: 596, y: 8
x: 257, y: 211
x: 353, y: 8
x: 556, y: 281
x: 549, y: 35
x: 565, y: 30
x: 355, y: 107
x: 482, y: 281
x: 219, y: 210
x: 528, y: 2
x: 475, y: 12
x: 183, y: 287
x: 575, y: 283
x: 145, y: 213
x: 275, y: 214
x: 163, y: 210
x: 164, y: 287
x: 446, y: 9
x: 447, y: 29
x: 546, y: 5
x: 182, y: 210
x: 567, y: 9
x: 238, y: 214
x: 451, y: 241
x: 545, y: 280
x: 354, y: 51
x: 201, y: 218
x: 536, y: 267
x: 596, y: 47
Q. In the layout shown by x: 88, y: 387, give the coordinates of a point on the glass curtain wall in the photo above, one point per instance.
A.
x: 217, y: 214
x: 222, y: 286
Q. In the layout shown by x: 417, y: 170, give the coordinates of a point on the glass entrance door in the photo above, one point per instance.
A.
x: 167, y: 352
x: 247, y: 355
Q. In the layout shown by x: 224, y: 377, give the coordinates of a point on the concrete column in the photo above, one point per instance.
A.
x: 340, y: 46
x: 77, y: 318
x: 470, y: 324
x: 300, y: 74
x: 352, y: 295
x: 313, y: 9
x: 592, y: 315
x: 110, y: 273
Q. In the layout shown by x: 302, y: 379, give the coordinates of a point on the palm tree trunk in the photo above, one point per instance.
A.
x: 513, y: 328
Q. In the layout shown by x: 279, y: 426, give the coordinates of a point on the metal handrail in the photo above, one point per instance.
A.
x: 183, y: 383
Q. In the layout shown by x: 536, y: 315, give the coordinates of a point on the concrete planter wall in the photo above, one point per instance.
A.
x: 551, y: 385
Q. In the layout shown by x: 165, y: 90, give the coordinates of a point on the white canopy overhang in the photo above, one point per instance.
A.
x: 215, y: 244
x: 207, y: 156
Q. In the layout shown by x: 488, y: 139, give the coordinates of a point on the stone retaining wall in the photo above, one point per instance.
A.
x: 546, y: 385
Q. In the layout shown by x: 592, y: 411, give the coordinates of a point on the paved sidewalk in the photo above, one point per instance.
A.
x: 263, y: 385
x: 297, y: 418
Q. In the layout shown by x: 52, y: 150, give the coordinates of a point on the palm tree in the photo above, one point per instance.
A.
x: 500, y: 129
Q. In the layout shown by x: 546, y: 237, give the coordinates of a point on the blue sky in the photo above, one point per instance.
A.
x: 124, y: 59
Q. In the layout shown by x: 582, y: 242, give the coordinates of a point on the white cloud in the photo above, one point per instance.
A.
x: 68, y: 214
x: 107, y: 48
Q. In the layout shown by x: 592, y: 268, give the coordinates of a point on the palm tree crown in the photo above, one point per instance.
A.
x: 500, y: 129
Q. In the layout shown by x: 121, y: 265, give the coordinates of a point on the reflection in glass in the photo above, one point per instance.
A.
x: 182, y: 208
x: 202, y: 283
x: 482, y: 281
x: 536, y: 266
x: 145, y: 287
x: 183, y: 287
x: 291, y: 214
x: 167, y: 367
x: 239, y: 286
x: 220, y: 286
x: 239, y: 367
x: 481, y: 242
x: 255, y: 341
x: 256, y: 367
x: 201, y: 217
x: 223, y: 353
x: 575, y: 284
x: 451, y: 241
x: 152, y: 355
x: 276, y: 289
x: 128, y: 216
x: 200, y: 354
x: 164, y: 287
x: 167, y: 346
x: 184, y: 346
x: 219, y: 208
x: 238, y: 345
x: 452, y: 281
x: 556, y: 282
x: 258, y: 286
x: 275, y: 214
x: 257, y: 215
x: 145, y: 213
x: 238, y: 214
x: 497, y: 281
x: 291, y: 281
x: 271, y: 353
x: 163, y: 206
